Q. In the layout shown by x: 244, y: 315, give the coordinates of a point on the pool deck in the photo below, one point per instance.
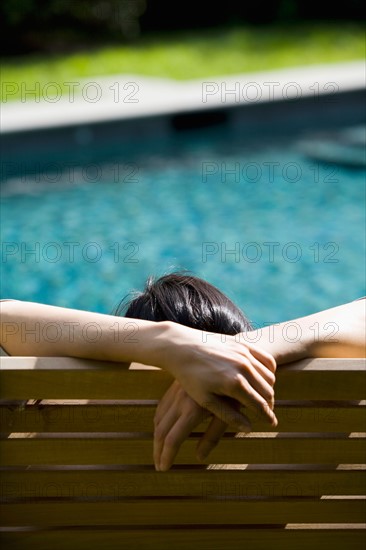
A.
x: 120, y: 97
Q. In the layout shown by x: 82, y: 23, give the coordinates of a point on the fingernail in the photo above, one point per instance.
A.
x: 202, y: 455
x: 245, y: 428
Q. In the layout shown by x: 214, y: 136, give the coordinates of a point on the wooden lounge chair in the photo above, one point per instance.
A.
x: 77, y: 469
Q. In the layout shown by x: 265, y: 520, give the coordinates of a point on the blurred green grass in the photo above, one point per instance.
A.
x: 194, y: 54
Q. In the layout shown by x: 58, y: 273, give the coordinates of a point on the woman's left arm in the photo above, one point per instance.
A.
x: 336, y: 332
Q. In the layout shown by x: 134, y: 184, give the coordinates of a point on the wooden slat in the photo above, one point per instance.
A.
x: 252, y: 449
x: 302, y: 417
x: 63, y: 378
x: 181, y: 539
x: 182, y: 512
x: 71, y: 363
x: 188, y: 482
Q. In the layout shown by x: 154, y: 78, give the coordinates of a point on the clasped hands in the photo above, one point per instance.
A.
x: 215, y: 380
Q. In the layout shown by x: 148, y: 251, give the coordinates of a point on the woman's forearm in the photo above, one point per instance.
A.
x: 335, y: 332
x: 31, y: 329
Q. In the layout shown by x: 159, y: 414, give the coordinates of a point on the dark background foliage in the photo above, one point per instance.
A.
x: 64, y: 25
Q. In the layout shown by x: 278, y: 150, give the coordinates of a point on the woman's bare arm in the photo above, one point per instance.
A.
x: 335, y: 332
x: 32, y: 329
x: 207, y: 368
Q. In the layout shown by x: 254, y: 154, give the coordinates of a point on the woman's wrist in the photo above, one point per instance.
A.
x: 171, y: 345
x: 155, y: 344
x: 288, y: 341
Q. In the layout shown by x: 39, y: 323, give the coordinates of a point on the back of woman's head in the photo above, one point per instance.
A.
x: 186, y: 300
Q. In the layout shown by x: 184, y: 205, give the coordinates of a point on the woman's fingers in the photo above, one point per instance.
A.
x: 227, y: 413
x: 176, y: 416
x: 263, y: 356
x: 243, y: 392
x: 166, y: 415
x: 166, y: 402
x: 260, y: 378
x: 161, y: 431
x: 170, y: 435
x: 210, y: 438
x: 267, y: 374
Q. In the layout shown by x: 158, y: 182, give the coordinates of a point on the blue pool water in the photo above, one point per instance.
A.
x: 281, y: 234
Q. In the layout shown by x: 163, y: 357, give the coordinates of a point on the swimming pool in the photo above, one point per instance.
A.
x: 281, y: 234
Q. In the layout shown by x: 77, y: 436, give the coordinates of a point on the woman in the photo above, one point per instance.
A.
x: 213, y: 372
x: 337, y: 332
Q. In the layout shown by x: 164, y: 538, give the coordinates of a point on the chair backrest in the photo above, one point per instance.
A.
x: 77, y: 469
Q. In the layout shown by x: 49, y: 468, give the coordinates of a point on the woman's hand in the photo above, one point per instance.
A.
x: 218, y: 373
x: 212, y: 366
x: 176, y: 417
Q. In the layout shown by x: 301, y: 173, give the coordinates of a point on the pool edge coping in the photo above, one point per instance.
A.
x: 162, y: 97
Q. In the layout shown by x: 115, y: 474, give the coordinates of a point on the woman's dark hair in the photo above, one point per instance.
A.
x: 187, y: 300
